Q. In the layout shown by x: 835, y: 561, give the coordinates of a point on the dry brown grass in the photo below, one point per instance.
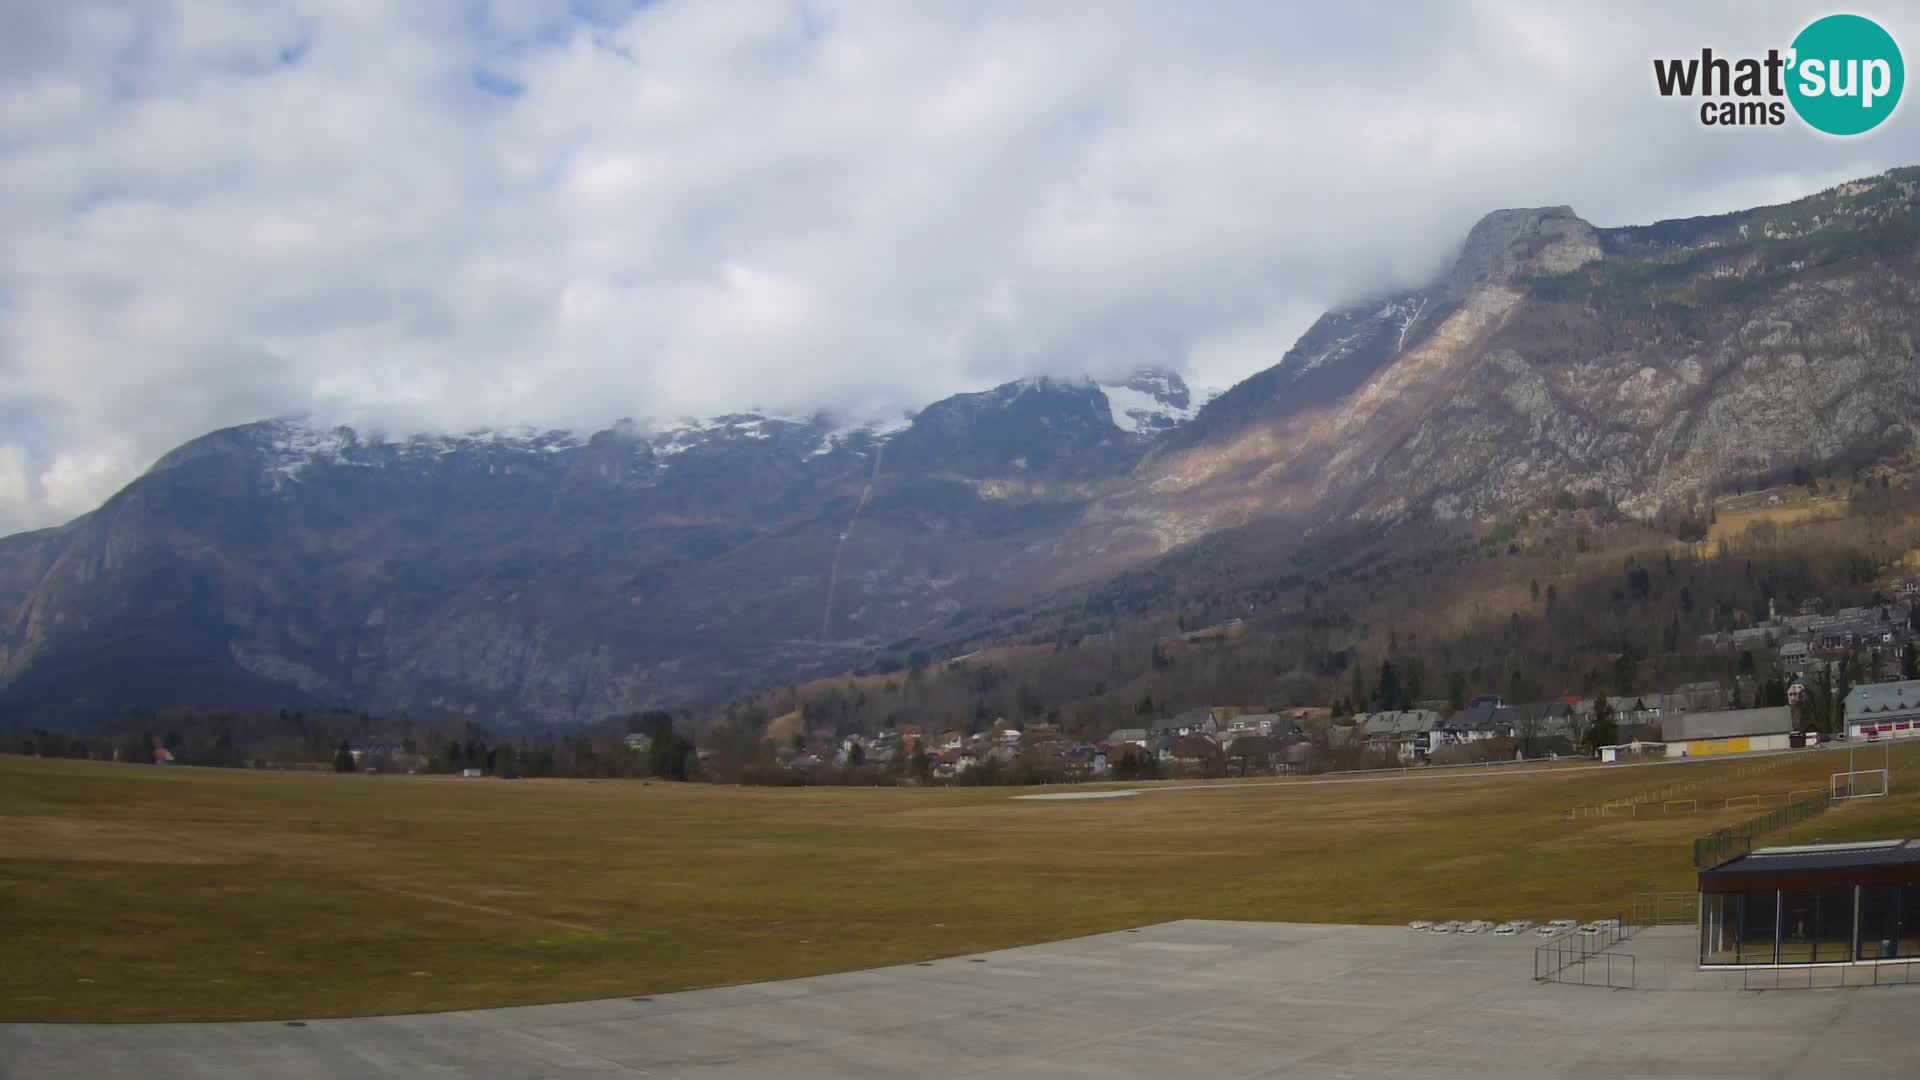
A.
x: 1732, y: 525
x: 139, y: 893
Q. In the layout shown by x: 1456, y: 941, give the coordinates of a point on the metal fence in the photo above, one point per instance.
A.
x: 1583, y: 959
x: 1664, y: 794
x: 1735, y: 840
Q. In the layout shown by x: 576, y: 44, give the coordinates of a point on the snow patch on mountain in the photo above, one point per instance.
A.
x: 1152, y: 401
x: 1344, y: 333
x: 292, y: 445
x: 874, y: 430
x: 1145, y: 404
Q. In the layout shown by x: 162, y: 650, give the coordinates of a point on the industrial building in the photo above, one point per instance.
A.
x: 1734, y: 731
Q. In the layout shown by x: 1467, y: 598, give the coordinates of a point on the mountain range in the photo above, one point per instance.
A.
x: 554, y: 577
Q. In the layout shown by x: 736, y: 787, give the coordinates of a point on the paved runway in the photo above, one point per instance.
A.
x: 1190, y: 999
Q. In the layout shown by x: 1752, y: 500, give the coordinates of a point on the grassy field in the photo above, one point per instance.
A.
x: 1732, y: 524
x: 138, y: 893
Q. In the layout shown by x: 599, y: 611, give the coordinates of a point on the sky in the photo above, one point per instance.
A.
x: 438, y: 216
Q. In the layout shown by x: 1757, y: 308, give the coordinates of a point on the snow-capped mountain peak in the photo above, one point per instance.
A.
x: 1147, y: 403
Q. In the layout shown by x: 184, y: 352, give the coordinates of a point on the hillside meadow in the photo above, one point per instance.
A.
x: 143, y: 893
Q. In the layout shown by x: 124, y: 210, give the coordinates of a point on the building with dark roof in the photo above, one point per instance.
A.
x: 1414, y: 733
x: 1190, y: 722
x: 1487, y: 718
x: 1819, y: 904
x: 1547, y: 729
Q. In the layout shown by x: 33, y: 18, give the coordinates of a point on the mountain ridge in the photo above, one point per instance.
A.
x: 556, y: 576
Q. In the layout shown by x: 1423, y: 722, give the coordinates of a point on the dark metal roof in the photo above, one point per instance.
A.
x: 1486, y: 716
x: 1819, y: 858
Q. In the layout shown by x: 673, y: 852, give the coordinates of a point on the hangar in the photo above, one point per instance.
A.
x: 1820, y: 904
x: 1734, y: 731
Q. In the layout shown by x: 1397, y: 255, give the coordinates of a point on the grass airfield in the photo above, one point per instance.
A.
x: 139, y: 893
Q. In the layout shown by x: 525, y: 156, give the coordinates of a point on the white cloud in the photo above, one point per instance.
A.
x: 75, y: 482
x: 436, y: 215
x: 16, y: 479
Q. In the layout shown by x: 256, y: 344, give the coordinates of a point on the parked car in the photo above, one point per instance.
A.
x: 1521, y: 926
x: 1420, y: 924
x: 1447, y: 927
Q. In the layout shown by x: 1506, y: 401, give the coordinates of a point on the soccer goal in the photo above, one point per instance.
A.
x: 1680, y: 806
x: 1862, y: 783
x: 1620, y: 806
x: 1742, y: 800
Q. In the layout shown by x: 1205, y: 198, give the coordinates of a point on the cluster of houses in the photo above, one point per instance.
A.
x: 948, y: 753
x: 1543, y: 729
x: 1804, y: 641
x: 1689, y: 720
x: 1194, y: 740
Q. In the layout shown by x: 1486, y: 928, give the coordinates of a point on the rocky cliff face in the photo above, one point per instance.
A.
x: 1507, y: 243
x: 551, y: 576
x: 1656, y: 364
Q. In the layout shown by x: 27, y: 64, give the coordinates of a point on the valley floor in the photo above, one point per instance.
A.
x: 146, y: 893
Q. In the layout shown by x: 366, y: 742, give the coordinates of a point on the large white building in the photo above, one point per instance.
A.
x: 1734, y: 731
x: 1889, y: 710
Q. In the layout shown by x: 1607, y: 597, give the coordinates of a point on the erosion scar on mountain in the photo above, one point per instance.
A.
x: 833, y: 574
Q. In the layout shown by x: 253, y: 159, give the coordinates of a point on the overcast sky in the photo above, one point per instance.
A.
x: 430, y: 216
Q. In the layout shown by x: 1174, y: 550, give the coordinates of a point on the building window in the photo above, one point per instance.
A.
x: 1799, y: 913
x: 1720, y: 928
x: 1759, y: 913
x: 1833, y: 926
x: 1910, y: 920
x: 1719, y: 919
x: 1879, y: 922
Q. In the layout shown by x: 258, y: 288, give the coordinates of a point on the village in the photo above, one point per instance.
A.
x: 1801, y: 679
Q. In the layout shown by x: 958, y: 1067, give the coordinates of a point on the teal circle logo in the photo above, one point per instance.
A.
x: 1846, y: 75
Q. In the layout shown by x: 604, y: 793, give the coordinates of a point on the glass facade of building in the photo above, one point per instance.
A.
x: 1832, y: 924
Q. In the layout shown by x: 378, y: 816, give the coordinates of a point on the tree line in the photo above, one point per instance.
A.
x: 353, y: 741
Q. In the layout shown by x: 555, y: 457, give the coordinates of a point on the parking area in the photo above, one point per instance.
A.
x: 1190, y: 998
x: 1542, y: 932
